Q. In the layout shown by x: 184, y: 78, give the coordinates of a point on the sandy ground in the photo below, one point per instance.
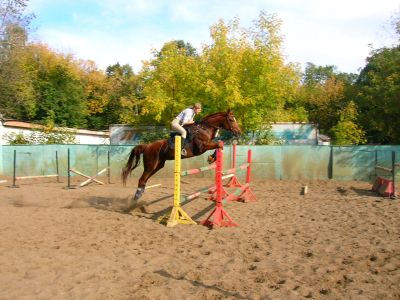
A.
x: 339, y: 241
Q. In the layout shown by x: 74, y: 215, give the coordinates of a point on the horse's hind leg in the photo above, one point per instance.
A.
x: 142, y: 183
x: 145, y: 177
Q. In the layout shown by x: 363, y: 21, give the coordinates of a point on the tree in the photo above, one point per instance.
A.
x: 122, y: 95
x: 347, y: 131
x: 179, y: 45
x: 378, y: 98
x: 325, y: 93
x: 96, y: 90
x: 244, y: 69
x: 60, y: 93
x: 14, y: 24
x: 16, y: 87
x: 171, y: 81
x: 17, y: 77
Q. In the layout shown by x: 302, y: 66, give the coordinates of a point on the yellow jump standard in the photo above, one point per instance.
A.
x: 178, y: 215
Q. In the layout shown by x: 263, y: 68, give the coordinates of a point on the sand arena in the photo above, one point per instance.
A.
x: 340, y: 241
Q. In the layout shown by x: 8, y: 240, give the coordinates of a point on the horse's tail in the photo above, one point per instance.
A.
x: 130, y: 166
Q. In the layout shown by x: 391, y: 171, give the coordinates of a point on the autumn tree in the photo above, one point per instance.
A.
x: 96, y: 94
x: 12, y: 15
x: 60, y: 95
x: 170, y: 82
x: 16, y: 93
x: 244, y: 69
x: 324, y: 93
x: 121, y: 105
x: 347, y: 131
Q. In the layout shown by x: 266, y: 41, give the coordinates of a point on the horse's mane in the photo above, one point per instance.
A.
x: 212, y: 115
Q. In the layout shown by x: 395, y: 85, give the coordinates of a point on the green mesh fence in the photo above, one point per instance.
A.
x: 288, y: 162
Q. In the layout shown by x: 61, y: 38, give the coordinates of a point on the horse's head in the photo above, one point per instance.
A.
x: 225, y: 120
x: 231, y: 124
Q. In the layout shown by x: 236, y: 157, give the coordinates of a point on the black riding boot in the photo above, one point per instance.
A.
x: 183, y: 144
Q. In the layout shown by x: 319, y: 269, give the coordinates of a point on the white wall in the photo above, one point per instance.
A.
x: 91, y: 139
x: 81, y: 137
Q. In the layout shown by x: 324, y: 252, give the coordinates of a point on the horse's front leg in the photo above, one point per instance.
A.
x: 209, y: 146
x: 139, y: 192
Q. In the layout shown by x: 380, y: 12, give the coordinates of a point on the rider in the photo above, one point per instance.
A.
x: 185, y: 117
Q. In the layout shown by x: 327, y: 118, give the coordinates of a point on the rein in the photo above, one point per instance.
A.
x: 209, y: 124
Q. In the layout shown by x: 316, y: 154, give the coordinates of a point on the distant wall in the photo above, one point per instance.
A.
x: 290, y: 133
x: 82, y: 136
x: 289, y: 162
x: 296, y: 133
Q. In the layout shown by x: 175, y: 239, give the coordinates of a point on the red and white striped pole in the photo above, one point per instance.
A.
x: 234, y: 182
x: 219, y: 217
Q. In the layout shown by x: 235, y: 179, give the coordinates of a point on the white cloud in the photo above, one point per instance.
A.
x: 105, y: 50
x: 323, y: 32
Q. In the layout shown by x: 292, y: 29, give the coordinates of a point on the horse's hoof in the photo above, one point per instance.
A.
x: 210, y: 159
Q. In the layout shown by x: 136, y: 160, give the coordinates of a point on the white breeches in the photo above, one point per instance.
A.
x: 178, y: 128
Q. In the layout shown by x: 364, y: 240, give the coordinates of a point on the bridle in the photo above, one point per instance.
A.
x: 228, y: 118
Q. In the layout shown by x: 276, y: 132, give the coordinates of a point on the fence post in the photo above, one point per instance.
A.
x: 69, y: 168
x: 14, y: 170
x: 108, y: 167
x: 394, y: 173
x: 58, y: 174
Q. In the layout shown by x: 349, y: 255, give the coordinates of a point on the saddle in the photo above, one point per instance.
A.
x: 188, y: 140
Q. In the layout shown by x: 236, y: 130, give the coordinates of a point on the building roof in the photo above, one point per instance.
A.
x: 324, y: 138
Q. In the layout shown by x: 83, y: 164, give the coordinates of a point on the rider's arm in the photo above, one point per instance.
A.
x: 187, y: 117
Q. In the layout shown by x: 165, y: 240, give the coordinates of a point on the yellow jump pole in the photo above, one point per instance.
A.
x: 178, y: 216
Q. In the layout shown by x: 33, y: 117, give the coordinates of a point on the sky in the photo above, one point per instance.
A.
x: 323, y: 32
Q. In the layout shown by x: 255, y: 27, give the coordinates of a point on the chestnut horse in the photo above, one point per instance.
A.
x: 156, y: 153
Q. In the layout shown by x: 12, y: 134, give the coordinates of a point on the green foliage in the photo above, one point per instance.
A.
x: 46, y: 136
x: 378, y: 96
x: 322, y: 95
x: 266, y: 137
x: 59, y: 88
x: 170, y: 83
x: 151, y: 136
x: 262, y: 136
x: 122, y: 95
x: 244, y: 69
x: 16, y: 139
x: 16, y: 77
x: 346, y: 131
x: 13, y: 15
